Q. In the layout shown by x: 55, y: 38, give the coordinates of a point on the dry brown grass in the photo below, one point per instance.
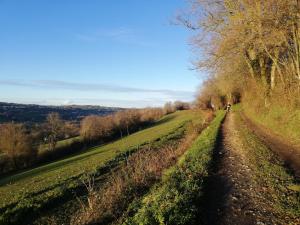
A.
x: 141, y: 171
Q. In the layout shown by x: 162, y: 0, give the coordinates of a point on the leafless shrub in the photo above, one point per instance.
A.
x: 123, y: 122
x: 54, y: 127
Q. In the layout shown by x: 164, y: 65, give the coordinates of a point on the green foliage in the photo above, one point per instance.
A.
x: 175, y: 200
x: 27, y: 192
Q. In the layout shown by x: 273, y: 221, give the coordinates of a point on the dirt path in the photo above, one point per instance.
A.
x: 232, y: 194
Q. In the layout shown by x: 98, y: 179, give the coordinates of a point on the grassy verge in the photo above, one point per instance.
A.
x: 281, y: 120
x: 270, y: 173
x: 175, y: 200
x: 34, y: 189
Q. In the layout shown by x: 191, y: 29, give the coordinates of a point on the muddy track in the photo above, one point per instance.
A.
x: 227, y: 189
x: 231, y: 194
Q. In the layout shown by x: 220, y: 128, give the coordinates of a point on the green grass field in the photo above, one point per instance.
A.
x: 30, y: 190
x: 60, y: 144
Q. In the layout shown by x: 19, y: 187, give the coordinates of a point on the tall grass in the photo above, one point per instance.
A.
x: 133, y: 180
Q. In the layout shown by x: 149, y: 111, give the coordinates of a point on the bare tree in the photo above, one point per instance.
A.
x: 88, y: 127
x: 54, y: 127
x: 169, y: 108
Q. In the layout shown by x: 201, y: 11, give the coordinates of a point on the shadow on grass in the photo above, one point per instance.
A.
x: 215, y: 188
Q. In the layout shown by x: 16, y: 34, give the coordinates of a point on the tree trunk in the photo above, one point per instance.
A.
x: 262, y: 66
x: 296, y: 34
x: 14, y: 160
x: 298, y: 37
x: 230, y: 98
x: 121, y: 133
x: 273, y: 70
x: 250, y: 67
x: 127, y: 130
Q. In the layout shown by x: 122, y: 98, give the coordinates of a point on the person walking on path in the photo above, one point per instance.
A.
x: 228, y: 107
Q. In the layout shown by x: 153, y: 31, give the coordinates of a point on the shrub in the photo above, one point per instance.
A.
x: 16, y: 144
x: 181, y: 105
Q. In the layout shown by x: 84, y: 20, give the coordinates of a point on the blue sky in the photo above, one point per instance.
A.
x: 104, y: 52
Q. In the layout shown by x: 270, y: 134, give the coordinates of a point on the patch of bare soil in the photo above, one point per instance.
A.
x: 285, y: 149
x: 231, y: 195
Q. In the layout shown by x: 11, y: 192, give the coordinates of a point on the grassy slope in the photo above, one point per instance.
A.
x: 62, y: 143
x: 18, y: 191
x: 280, y: 120
x: 175, y: 200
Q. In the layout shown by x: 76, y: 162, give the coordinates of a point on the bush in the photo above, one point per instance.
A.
x: 17, y: 146
x: 181, y: 105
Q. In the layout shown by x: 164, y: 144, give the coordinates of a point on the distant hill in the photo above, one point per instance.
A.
x: 30, y: 113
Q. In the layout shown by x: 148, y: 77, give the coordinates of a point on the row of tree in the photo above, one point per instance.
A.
x: 250, y: 48
x: 97, y: 128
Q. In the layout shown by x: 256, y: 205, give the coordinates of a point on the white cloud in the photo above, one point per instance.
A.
x: 123, y: 95
x: 121, y: 34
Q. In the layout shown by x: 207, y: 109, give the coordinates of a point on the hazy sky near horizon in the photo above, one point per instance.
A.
x: 104, y: 52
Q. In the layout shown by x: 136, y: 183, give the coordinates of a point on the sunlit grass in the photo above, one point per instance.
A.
x: 280, y: 120
x: 50, y: 181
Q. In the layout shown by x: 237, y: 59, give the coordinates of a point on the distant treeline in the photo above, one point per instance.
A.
x: 21, y: 147
x: 30, y: 114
